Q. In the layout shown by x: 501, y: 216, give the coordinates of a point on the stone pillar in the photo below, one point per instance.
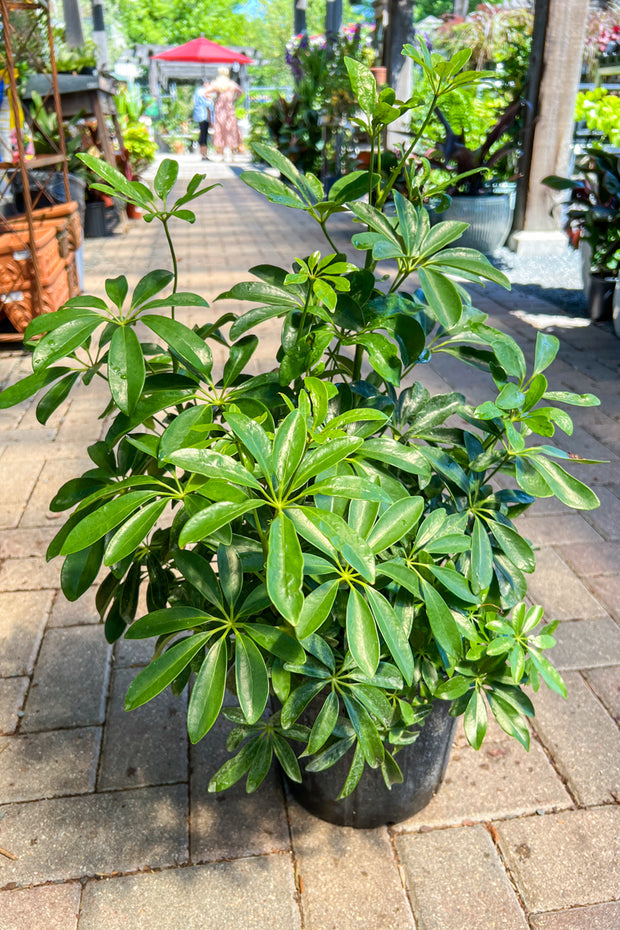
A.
x: 555, y: 69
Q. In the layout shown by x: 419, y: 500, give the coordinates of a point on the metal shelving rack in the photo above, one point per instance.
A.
x: 22, y: 21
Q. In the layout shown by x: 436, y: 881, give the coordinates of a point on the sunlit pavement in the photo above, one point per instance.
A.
x: 107, y: 822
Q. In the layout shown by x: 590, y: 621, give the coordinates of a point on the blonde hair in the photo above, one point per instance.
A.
x: 222, y: 72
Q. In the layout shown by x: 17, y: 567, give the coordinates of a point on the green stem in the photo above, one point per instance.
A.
x: 403, y: 161
x: 357, y: 363
x: 327, y: 236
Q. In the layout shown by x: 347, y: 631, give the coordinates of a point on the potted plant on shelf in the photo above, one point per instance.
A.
x: 593, y: 224
x: 324, y: 540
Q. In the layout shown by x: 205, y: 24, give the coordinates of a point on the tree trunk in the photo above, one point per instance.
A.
x: 555, y: 69
x: 460, y: 7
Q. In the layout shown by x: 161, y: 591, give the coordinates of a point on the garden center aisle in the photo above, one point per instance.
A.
x: 107, y: 823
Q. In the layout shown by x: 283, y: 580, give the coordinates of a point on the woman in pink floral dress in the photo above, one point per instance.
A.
x: 226, y: 133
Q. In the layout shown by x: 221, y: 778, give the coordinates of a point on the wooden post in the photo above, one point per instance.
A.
x: 400, y: 31
x: 555, y: 68
x: 299, y: 16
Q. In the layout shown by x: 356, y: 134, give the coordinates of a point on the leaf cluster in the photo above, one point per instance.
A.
x: 326, y: 536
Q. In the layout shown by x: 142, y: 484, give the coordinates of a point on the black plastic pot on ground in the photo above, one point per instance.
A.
x: 601, y: 297
x: 372, y: 804
x: 489, y: 217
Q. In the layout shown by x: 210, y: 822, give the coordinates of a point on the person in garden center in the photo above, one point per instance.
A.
x: 226, y: 135
x: 203, y: 115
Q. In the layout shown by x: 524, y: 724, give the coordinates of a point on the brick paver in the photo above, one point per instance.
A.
x: 566, y: 859
x: 455, y: 879
x: 257, y: 894
x: 547, y: 858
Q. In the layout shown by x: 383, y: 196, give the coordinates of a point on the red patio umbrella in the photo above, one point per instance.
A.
x: 203, y: 51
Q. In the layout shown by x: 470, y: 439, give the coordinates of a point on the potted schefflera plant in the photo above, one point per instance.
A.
x: 324, y: 540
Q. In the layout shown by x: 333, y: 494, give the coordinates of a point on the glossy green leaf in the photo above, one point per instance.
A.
x: 516, y: 548
x: 126, y: 371
x: 95, y: 525
x: 286, y: 757
x: 56, y: 395
x: 64, y: 340
x: 116, y: 289
x: 254, y: 438
x: 186, y: 430
x: 362, y: 635
x: 276, y: 641
x: 325, y: 457
x: 298, y: 700
x: 397, y: 521
x: 251, y: 678
x: 273, y: 189
x: 212, y: 518
x: 443, y: 625
x: 166, y: 620
x: 317, y: 608
x: 213, y: 465
x: 355, y: 773
x: 133, y: 531
x: 344, y: 540
x: 288, y: 446
x: 475, y: 719
x: 546, y: 350
x: 324, y: 724
x: 481, y: 557
x: 199, y: 573
x: 207, y: 694
x: 442, y: 297
x: 351, y: 488
x: 363, y: 84
x: 568, y: 489
x: 166, y: 177
x: 285, y: 569
x: 152, y: 680
x: 239, y: 354
x: 151, y: 284
x: 260, y: 765
x: 79, y: 571
x: 26, y: 387
x: 235, y: 768
x: 392, y: 632
x: 183, y: 341
x: 365, y: 730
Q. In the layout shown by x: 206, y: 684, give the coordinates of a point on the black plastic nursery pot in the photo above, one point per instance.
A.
x: 372, y: 804
x: 601, y: 297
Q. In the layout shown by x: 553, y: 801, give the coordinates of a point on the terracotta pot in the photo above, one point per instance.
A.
x: 133, y: 212
x: 380, y: 74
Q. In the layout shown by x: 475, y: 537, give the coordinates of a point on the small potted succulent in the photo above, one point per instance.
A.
x: 324, y: 540
x: 593, y: 224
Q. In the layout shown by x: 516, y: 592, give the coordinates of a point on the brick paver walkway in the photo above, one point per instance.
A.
x: 107, y: 814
